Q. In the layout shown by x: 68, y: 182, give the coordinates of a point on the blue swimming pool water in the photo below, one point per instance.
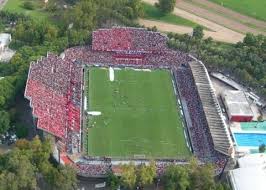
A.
x: 250, y: 139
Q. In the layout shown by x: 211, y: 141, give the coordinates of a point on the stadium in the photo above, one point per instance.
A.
x: 127, y: 97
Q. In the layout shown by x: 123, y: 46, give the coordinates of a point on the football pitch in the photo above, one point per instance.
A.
x: 139, y: 115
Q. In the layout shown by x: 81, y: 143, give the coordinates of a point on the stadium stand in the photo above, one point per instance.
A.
x: 218, y: 129
x: 54, y: 90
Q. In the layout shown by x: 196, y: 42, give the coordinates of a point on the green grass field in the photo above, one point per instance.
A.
x: 139, y: 115
x: 152, y: 13
x: 17, y: 6
x: 254, y: 8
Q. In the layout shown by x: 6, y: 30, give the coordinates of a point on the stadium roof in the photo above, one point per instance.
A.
x: 218, y: 129
x: 237, y: 103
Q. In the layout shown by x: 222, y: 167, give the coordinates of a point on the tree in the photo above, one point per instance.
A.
x: 166, y: 6
x: 8, y: 181
x: 83, y: 15
x: 198, y: 32
x: 129, y: 176
x: 19, y: 171
x: 65, y: 179
x: 262, y: 148
x: 201, y: 176
x: 250, y: 40
x: 137, y: 8
x: 30, y: 159
x: 176, y: 178
x: 146, y: 174
x: 113, y: 181
x: 28, y: 5
x: 4, y: 121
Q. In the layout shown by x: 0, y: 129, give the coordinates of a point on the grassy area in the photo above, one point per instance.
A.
x: 254, y: 8
x: 139, y: 115
x: 17, y: 6
x: 152, y: 13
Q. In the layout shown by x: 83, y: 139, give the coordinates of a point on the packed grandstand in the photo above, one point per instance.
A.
x: 55, y: 88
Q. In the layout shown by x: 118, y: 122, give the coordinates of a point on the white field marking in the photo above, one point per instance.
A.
x: 94, y: 113
x: 117, y: 68
x: 111, y: 74
x: 85, y: 103
x: 146, y: 70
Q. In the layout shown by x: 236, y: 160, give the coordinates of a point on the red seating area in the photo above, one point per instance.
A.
x: 48, y: 106
x: 118, y: 39
x: 54, y: 88
x: 112, y: 39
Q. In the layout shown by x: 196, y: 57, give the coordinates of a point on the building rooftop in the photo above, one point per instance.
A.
x: 248, y: 178
x: 237, y: 103
x: 5, y: 38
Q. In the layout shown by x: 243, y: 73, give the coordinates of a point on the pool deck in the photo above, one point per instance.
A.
x: 247, y: 128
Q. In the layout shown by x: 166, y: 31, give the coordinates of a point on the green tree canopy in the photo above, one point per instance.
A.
x: 82, y: 16
x: 198, y: 32
x: 166, y: 6
x: 176, y: 178
x: 29, y: 161
x: 129, y: 177
x: 4, y: 121
x: 262, y: 148
x: 146, y: 173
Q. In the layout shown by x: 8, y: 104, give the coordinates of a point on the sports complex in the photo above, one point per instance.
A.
x: 127, y: 97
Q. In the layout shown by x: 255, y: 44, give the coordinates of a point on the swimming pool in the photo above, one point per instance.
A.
x: 250, y: 139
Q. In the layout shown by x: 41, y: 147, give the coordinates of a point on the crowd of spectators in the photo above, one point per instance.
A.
x: 201, y: 140
x: 54, y: 87
x: 100, y: 169
x: 125, y: 38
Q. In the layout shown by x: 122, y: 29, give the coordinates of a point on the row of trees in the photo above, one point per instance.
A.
x: 245, y: 61
x: 27, y: 166
x: 176, y: 177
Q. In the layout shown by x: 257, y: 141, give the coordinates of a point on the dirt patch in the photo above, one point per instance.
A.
x: 199, y: 8
x: 219, y: 32
x: 230, y: 13
x: 164, y: 27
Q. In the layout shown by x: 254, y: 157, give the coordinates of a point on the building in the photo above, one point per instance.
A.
x: 5, y: 39
x: 251, y: 173
x: 237, y: 106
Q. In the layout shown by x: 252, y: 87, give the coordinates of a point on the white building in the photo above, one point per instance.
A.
x: 251, y: 174
x: 237, y: 106
x: 5, y: 40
